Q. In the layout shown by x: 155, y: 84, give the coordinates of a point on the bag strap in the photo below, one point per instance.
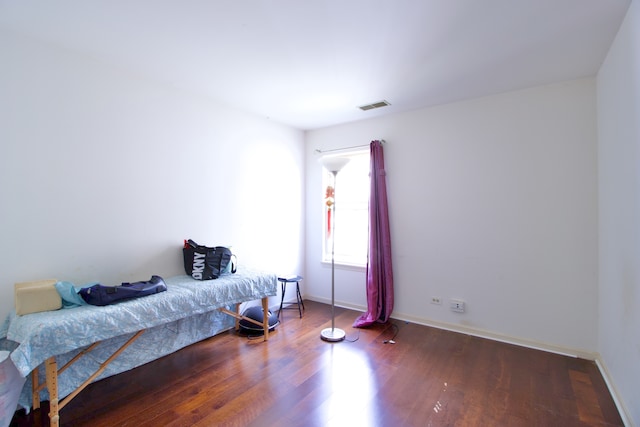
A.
x: 234, y: 263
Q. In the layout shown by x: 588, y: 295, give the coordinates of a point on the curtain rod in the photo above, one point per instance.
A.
x: 382, y: 142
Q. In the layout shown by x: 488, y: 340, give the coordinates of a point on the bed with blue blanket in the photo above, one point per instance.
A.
x: 80, y: 345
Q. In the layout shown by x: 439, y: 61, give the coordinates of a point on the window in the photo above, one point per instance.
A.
x: 351, y: 197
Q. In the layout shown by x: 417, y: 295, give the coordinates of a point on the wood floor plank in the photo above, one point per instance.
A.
x: 428, y: 377
x: 586, y: 399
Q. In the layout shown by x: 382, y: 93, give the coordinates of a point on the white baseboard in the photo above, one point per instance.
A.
x: 338, y: 303
x: 565, y: 351
x: 626, y: 418
x: 481, y: 333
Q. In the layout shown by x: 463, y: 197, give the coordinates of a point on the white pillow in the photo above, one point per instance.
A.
x: 33, y: 297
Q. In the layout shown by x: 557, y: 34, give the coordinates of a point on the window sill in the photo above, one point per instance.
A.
x: 342, y: 265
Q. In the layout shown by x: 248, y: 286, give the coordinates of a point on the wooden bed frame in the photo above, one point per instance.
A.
x: 52, y: 371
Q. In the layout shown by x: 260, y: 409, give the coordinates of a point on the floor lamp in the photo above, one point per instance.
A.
x: 333, y: 165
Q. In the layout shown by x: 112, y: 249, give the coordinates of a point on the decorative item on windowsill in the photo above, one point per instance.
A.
x: 329, y: 201
x: 333, y: 165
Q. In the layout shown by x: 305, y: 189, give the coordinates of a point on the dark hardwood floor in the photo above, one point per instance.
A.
x: 429, y: 377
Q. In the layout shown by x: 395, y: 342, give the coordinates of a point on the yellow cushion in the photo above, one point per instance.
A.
x: 33, y: 297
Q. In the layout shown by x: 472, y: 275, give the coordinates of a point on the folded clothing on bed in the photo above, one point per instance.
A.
x: 104, y: 295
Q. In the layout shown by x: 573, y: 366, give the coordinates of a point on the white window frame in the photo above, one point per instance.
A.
x: 352, y: 204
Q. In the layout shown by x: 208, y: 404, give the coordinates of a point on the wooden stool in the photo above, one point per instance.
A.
x: 283, y: 282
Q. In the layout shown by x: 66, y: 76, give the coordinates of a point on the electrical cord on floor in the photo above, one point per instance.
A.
x: 395, y: 334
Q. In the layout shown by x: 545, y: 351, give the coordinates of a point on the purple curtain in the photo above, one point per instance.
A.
x: 379, y: 269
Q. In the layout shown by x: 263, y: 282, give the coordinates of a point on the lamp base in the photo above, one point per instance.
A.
x: 332, y: 334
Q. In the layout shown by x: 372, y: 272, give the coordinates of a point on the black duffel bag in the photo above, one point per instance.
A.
x: 206, y: 263
x: 104, y: 295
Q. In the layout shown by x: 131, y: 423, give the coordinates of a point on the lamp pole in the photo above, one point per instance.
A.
x: 333, y: 334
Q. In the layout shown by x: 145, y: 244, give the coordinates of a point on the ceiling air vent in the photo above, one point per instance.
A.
x: 378, y: 104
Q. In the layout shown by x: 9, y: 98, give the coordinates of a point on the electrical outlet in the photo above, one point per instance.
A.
x: 436, y: 300
x: 457, y: 305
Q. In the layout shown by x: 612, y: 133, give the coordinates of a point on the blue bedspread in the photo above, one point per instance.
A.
x: 184, y: 314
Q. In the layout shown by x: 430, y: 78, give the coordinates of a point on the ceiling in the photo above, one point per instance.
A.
x: 310, y: 64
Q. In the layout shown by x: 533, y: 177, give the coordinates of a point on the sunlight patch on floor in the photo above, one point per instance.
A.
x: 353, y: 386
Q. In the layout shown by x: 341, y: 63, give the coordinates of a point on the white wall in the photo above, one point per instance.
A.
x: 619, y: 201
x: 104, y: 173
x: 493, y: 201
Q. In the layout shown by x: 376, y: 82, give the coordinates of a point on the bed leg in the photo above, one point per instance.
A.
x: 237, y: 317
x: 52, y: 386
x: 35, y: 389
x: 265, y: 317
